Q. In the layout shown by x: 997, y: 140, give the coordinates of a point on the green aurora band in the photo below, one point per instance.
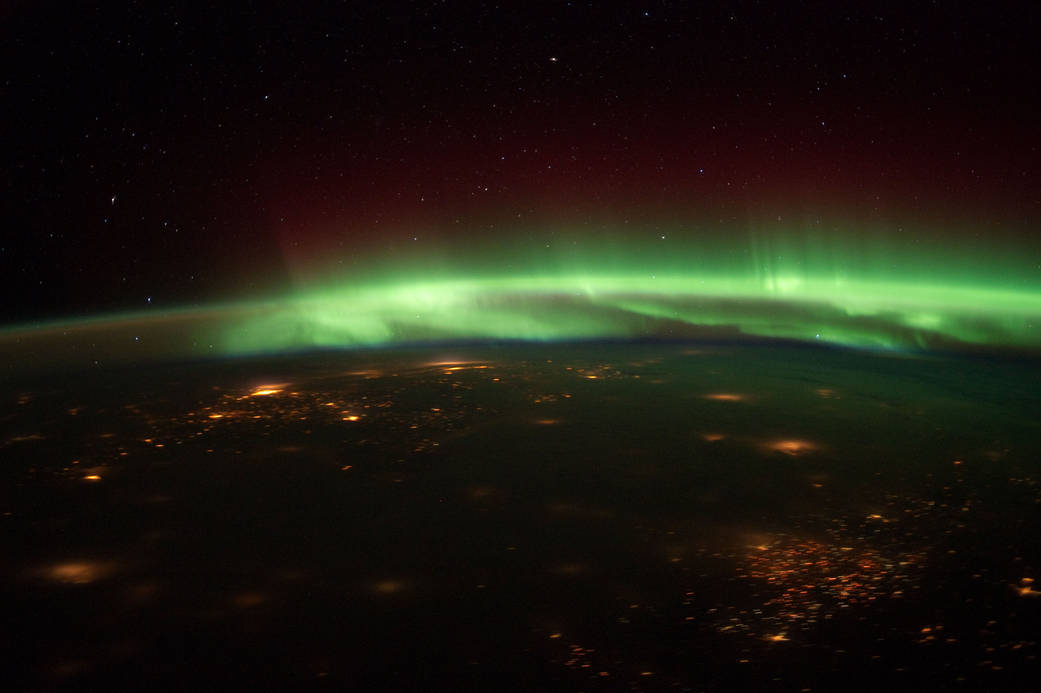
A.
x: 878, y: 294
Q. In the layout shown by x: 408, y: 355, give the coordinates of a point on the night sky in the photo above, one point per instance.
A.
x: 163, y: 158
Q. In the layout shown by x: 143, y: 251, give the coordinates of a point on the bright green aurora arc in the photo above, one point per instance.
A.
x: 875, y: 291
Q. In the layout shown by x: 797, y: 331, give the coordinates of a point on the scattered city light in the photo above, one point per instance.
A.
x: 265, y: 391
x: 792, y: 446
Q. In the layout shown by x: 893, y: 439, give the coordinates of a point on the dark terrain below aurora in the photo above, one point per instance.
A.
x: 597, y: 516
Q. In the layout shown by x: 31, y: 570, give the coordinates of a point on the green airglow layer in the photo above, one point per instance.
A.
x: 883, y: 294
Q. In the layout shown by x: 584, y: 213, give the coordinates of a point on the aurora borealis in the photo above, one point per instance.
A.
x: 796, y: 286
x: 387, y: 175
